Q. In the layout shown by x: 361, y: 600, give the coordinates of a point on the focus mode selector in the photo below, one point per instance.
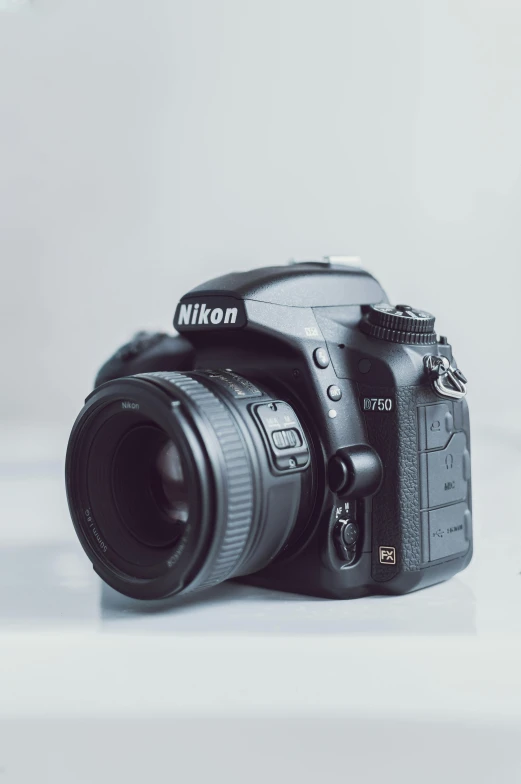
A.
x: 286, y: 439
x: 350, y: 534
x: 346, y: 552
x: 399, y: 324
x: 284, y: 436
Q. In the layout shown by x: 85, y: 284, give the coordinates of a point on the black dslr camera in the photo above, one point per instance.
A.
x: 300, y: 434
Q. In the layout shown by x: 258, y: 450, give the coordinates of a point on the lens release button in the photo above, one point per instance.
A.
x: 355, y: 471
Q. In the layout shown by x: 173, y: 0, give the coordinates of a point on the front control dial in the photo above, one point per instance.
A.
x: 399, y: 324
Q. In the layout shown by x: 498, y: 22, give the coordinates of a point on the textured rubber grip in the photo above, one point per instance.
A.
x: 396, y: 507
x: 238, y: 492
x: 400, y: 532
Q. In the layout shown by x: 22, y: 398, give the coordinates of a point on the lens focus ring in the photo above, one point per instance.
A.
x: 239, y: 477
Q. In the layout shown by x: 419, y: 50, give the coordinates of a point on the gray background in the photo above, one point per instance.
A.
x: 146, y: 146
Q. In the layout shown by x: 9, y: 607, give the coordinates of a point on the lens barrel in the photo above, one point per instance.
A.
x: 171, y: 485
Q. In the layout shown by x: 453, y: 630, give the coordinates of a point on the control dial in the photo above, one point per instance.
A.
x: 399, y: 324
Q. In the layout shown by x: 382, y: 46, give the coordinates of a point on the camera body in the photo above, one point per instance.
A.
x: 364, y: 391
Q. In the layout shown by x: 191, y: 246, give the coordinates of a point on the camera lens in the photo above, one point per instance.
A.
x: 174, y: 485
x: 149, y: 485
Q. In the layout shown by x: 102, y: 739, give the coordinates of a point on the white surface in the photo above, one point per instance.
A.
x: 145, y: 147
x: 242, y: 684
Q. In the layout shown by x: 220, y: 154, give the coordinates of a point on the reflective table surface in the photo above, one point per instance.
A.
x: 240, y: 682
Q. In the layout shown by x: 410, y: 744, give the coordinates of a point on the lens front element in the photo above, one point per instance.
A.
x: 149, y: 486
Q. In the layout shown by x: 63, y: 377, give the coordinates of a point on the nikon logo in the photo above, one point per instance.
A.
x: 216, y: 312
x: 202, y: 314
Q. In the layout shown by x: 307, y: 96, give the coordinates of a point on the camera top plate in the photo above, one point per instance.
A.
x: 311, y: 284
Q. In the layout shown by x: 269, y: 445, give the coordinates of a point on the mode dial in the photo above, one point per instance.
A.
x: 399, y: 324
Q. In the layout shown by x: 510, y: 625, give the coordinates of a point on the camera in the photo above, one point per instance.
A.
x: 298, y: 433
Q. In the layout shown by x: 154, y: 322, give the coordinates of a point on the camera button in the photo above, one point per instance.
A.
x: 345, y: 537
x: 355, y: 471
x: 334, y: 392
x: 321, y: 358
x: 350, y: 534
x: 339, y: 475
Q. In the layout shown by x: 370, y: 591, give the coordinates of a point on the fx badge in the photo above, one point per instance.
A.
x: 387, y: 555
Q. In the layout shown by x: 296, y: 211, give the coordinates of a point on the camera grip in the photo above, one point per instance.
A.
x: 148, y: 352
x: 421, y: 514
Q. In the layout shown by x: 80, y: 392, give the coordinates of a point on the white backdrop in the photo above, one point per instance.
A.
x: 145, y: 146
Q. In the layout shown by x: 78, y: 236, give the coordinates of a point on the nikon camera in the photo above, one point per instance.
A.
x: 299, y: 433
